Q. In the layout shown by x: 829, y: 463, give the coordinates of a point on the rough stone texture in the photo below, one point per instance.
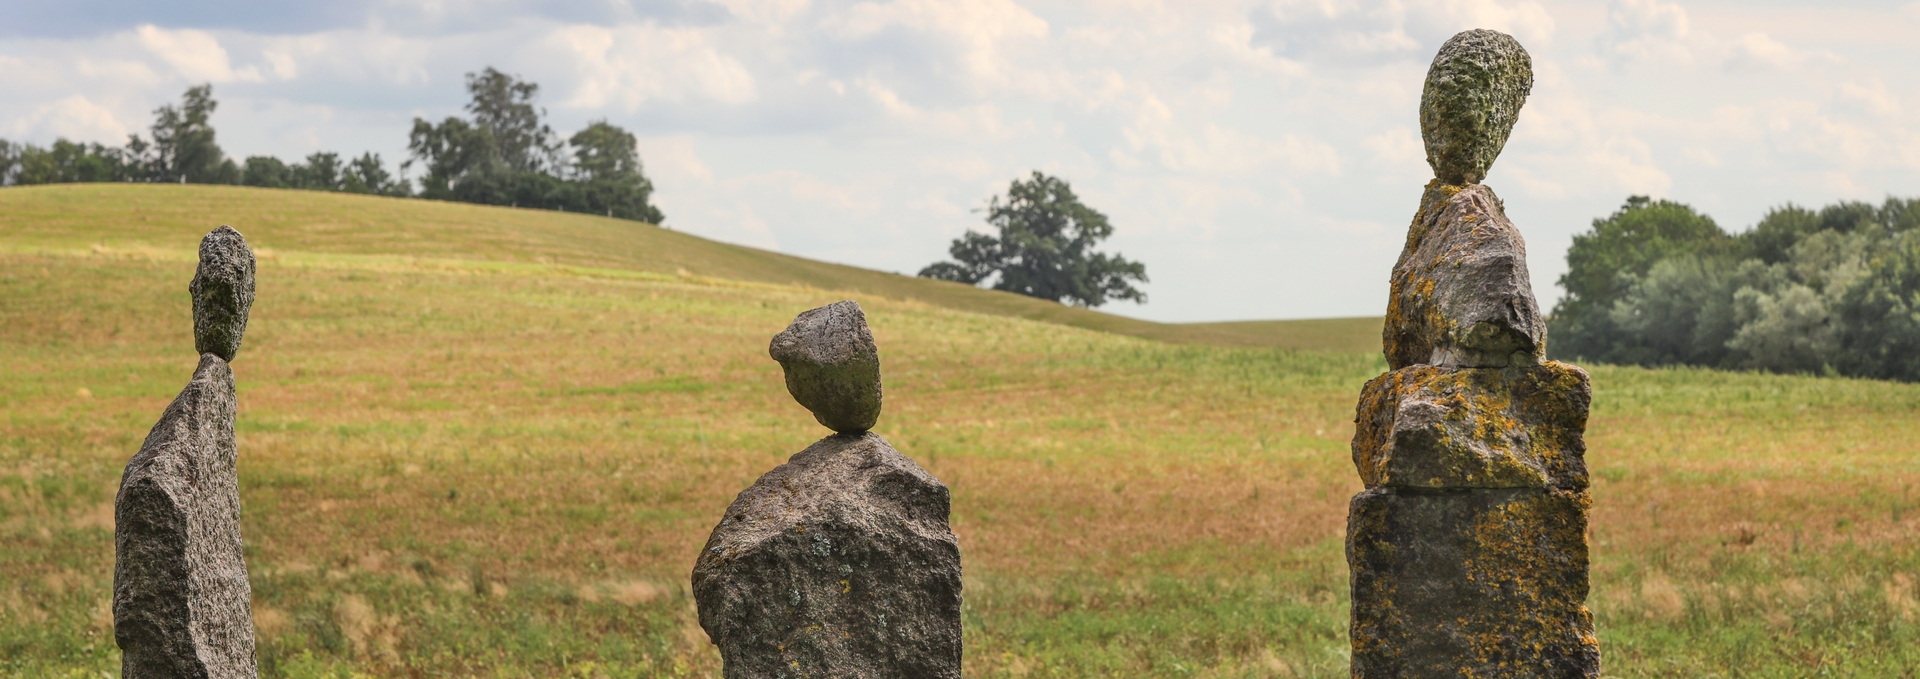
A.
x: 1473, y: 95
x: 1468, y: 550
x: 838, y: 563
x: 180, y: 594
x: 1429, y: 427
x: 222, y: 293
x: 832, y: 366
x: 1471, y: 583
x: 1460, y: 295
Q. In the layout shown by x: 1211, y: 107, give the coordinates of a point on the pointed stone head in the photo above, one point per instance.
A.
x: 832, y: 366
x: 222, y: 293
x: 1473, y: 95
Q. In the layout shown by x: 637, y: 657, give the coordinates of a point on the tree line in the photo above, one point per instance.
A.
x: 505, y: 154
x: 1830, y: 291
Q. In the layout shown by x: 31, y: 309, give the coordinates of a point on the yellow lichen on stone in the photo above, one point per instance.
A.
x: 1458, y: 294
x: 1512, y: 427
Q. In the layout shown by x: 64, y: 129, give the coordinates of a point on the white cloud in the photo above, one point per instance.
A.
x: 1660, y: 34
x: 632, y: 66
x: 765, y: 11
x: 675, y: 157
x: 74, y: 117
x: 1761, y: 52
x: 282, y: 65
x: 1352, y: 31
x: 977, y: 31
x: 195, y: 55
x: 1397, y: 148
x: 1645, y: 30
x: 1870, y: 97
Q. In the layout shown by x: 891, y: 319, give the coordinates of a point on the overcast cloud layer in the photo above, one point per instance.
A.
x: 1262, y: 158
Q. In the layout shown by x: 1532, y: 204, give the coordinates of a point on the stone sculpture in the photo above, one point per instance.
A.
x: 838, y: 563
x: 1468, y: 548
x: 832, y: 366
x: 181, y: 601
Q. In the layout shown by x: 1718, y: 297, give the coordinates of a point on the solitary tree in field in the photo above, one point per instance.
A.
x: 1045, y: 249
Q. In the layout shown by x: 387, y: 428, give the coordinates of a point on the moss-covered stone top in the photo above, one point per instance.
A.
x: 1473, y: 95
x: 222, y: 292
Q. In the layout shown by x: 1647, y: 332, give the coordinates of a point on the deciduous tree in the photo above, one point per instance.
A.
x: 1044, y: 249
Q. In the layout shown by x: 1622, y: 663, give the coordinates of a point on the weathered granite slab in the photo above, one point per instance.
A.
x: 1481, y: 584
x: 1430, y: 427
x: 838, y: 563
x: 1460, y: 295
x: 181, y: 601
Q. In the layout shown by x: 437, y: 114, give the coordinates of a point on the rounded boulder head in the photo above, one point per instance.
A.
x: 222, y: 293
x: 1473, y: 95
x: 832, y: 366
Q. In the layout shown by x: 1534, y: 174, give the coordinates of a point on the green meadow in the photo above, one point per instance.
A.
x: 484, y: 442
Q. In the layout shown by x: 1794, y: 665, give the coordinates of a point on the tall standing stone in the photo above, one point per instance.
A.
x: 840, y: 562
x: 181, y: 601
x: 1468, y: 548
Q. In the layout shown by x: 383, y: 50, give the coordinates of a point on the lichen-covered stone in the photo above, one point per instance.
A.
x: 1429, y: 427
x: 181, y: 602
x: 832, y: 366
x: 1460, y: 294
x: 222, y: 293
x: 838, y: 563
x: 1473, y: 95
x: 1476, y: 584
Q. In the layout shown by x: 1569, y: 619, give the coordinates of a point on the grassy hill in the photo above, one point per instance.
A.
x: 469, y: 462
x: 168, y: 217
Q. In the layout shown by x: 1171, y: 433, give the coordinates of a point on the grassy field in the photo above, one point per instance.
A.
x: 476, y: 463
x: 150, y: 216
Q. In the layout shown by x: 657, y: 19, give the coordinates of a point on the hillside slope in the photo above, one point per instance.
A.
x: 171, y: 217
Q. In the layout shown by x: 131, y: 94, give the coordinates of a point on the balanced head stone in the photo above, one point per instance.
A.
x: 832, y: 366
x: 1473, y: 95
x: 839, y: 563
x: 222, y: 293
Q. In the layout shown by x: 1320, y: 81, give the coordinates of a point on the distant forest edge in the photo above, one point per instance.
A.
x: 504, y: 155
x: 1834, y: 291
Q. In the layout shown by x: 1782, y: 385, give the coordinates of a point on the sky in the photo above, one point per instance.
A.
x: 1261, y: 158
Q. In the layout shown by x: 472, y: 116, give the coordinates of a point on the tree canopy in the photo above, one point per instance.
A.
x: 506, y: 155
x: 1804, y: 291
x: 1044, y: 249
